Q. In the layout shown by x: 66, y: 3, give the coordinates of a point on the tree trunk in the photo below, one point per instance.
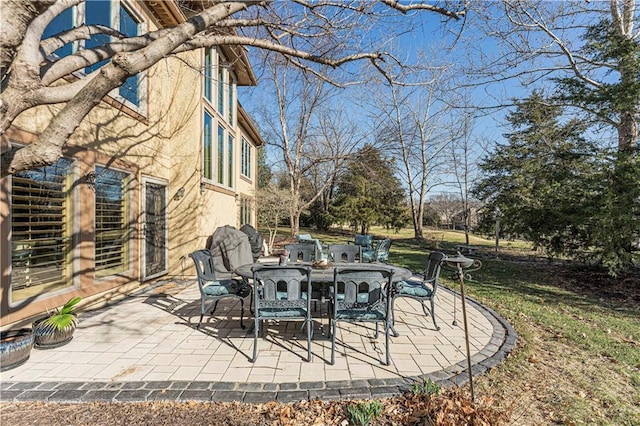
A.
x: 295, y: 224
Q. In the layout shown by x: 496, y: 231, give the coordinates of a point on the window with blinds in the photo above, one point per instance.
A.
x: 112, y: 222
x: 41, y: 230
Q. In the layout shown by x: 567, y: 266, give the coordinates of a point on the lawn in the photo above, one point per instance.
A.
x: 578, y: 355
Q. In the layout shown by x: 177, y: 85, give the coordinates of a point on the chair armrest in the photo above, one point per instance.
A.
x: 396, y: 287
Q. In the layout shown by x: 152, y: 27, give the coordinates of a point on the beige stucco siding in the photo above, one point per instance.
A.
x: 165, y: 145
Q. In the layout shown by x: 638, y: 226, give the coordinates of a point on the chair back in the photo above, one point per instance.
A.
x: 382, y: 250
x: 280, y: 287
x: 433, y: 267
x: 301, y: 252
x: 345, y: 253
x: 364, y: 290
x: 363, y: 240
x: 204, y: 268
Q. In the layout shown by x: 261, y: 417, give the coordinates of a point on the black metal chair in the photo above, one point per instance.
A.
x: 421, y: 290
x: 379, y: 254
x: 302, y: 252
x: 363, y: 240
x: 345, y: 253
x: 360, y: 295
x: 212, y: 289
x: 278, y: 295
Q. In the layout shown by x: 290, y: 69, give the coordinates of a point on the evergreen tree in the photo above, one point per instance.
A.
x: 264, y: 171
x: 614, y: 102
x: 542, y: 179
x: 369, y: 193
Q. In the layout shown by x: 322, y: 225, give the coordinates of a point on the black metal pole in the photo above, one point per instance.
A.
x: 466, y: 328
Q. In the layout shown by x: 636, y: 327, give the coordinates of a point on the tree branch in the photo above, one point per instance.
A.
x: 404, y: 8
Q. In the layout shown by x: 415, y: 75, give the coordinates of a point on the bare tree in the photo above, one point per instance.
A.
x: 463, y: 167
x: 303, y: 33
x: 411, y: 116
x: 446, y: 206
x: 337, y: 140
x: 539, y: 41
x: 308, y: 139
x: 273, y: 208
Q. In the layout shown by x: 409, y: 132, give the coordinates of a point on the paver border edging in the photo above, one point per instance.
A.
x: 502, y: 342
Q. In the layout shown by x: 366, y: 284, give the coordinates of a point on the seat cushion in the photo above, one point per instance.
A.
x: 362, y: 297
x: 282, y: 295
x: 221, y: 288
x: 283, y: 313
x: 360, y: 315
x: 368, y: 255
x: 414, y: 289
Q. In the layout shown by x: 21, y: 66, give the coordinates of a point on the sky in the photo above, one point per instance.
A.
x: 445, y: 42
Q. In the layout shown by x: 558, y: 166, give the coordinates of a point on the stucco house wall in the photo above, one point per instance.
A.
x: 163, y: 149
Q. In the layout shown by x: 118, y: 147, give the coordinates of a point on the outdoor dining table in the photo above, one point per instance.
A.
x: 324, y: 274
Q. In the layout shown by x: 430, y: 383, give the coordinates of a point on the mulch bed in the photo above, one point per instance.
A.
x: 451, y: 407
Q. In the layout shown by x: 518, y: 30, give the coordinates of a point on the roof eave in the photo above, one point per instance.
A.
x: 247, y: 124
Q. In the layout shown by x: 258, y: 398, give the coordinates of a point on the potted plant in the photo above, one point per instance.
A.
x: 56, y: 329
x: 15, y: 347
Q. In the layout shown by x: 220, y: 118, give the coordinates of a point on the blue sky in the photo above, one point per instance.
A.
x: 428, y: 30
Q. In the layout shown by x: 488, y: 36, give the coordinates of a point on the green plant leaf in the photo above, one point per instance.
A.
x: 68, y: 307
x: 60, y: 321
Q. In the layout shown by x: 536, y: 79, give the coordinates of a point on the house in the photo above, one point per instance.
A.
x: 149, y: 175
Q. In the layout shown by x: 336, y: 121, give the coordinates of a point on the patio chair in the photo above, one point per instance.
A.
x: 363, y: 240
x: 379, y: 254
x: 359, y: 295
x: 341, y: 253
x: 421, y: 290
x: 278, y: 296
x: 302, y: 252
x: 212, y: 289
x: 308, y: 239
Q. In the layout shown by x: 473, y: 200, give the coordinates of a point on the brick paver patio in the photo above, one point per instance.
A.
x: 147, y: 347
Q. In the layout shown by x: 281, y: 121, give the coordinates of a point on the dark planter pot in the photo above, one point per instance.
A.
x: 47, y: 337
x: 15, y: 347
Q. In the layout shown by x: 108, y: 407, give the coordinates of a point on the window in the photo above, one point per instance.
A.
x: 246, y: 160
x: 218, y: 159
x: 61, y: 23
x: 208, y: 74
x: 111, y: 222
x: 41, y: 230
x: 130, y: 27
x: 109, y: 13
x: 246, y: 211
x: 230, y: 162
x: 97, y: 12
x: 220, y: 154
x: 207, y: 146
x: 219, y: 110
x: 231, y: 97
x: 219, y: 85
x: 221, y: 81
